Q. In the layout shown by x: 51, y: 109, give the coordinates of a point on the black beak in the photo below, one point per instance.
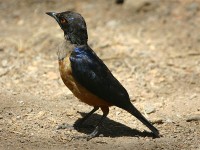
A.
x: 54, y: 15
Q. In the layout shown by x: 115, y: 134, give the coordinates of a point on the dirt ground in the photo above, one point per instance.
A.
x: 151, y: 46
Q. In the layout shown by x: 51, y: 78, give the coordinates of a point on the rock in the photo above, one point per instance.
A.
x: 22, y: 140
x: 14, y: 93
x: 1, y: 117
x: 194, y: 117
x: 29, y: 110
x: 4, y: 63
x: 157, y: 121
x: 21, y: 102
x: 18, y: 117
x: 3, y: 72
x: 193, y: 96
x: 168, y: 120
x: 40, y: 115
x: 149, y: 109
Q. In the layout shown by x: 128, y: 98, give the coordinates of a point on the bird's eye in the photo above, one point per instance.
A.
x: 62, y: 20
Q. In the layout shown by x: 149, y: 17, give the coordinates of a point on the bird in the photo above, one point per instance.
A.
x: 86, y: 75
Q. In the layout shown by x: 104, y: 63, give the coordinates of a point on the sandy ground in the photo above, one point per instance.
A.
x: 151, y: 46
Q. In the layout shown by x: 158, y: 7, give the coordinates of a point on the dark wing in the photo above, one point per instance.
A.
x: 92, y: 73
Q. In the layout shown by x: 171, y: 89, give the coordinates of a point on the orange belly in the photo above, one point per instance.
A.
x: 78, y: 90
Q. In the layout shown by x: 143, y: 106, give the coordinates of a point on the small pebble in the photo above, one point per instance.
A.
x: 157, y: 120
x: 3, y: 72
x: 1, y: 117
x: 30, y: 110
x: 168, y: 120
x: 149, y: 109
x: 18, y: 117
x: 21, y: 102
x: 40, y: 114
x: 193, y: 96
x: 4, y: 63
x: 195, y: 117
x: 22, y: 140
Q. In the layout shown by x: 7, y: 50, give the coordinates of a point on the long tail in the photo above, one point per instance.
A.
x: 139, y: 116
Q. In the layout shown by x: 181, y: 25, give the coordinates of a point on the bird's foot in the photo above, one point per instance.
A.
x: 88, y: 137
x: 93, y: 134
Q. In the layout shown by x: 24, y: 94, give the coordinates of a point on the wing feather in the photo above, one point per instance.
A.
x: 90, y: 71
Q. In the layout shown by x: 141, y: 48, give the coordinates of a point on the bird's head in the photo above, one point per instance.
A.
x: 73, y: 25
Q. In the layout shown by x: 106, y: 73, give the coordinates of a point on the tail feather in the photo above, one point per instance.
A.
x: 140, y: 117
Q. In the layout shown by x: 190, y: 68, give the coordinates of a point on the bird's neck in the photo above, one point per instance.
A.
x: 76, y: 39
x: 66, y: 48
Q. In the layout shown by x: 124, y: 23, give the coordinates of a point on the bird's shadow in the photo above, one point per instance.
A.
x: 110, y: 128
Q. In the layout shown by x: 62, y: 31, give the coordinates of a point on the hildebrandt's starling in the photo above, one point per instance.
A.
x: 85, y: 74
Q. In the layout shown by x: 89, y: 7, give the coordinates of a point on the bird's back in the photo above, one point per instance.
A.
x: 90, y: 71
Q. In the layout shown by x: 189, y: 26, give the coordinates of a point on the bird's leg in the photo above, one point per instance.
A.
x: 96, y: 130
x: 87, y: 116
